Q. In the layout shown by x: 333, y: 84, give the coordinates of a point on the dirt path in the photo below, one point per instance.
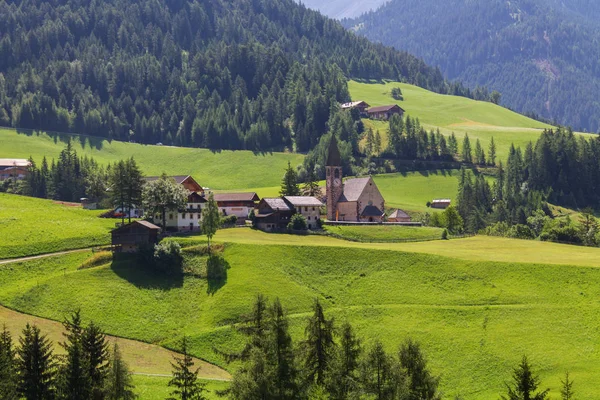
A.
x: 28, y: 258
x: 143, y: 358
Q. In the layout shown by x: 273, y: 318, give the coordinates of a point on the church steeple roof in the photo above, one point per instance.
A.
x: 334, y: 159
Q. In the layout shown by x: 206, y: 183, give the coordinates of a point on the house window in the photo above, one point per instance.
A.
x: 309, y: 217
x: 198, y: 216
x: 170, y: 216
x: 313, y: 209
x: 183, y: 215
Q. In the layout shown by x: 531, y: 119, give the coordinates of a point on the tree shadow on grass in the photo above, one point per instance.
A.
x: 216, y: 273
x: 132, y: 269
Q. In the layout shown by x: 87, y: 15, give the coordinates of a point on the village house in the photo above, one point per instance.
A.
x: 129, y: 238
x: 238, y: 204
x: 399, y: 216
x: 441, y: 204
x: 13, y: 168
x: 385, y: 112
x: 361, y: 106
x: 187, y: 220
x: 353, y: 200
x: 273, y: 214
x: 308, y: 207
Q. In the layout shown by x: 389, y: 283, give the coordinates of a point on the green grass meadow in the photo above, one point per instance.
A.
x: 30, y: 226
x: 217, y: 170
x: 476, y: 306
x: 481, y: 120
x: 384, y: 233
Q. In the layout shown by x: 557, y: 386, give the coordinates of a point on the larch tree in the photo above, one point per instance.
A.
x: 344, y: 369
x: 467, y: 154
x: 566, y: 391
x: 319, y: 345
x: 211, y: 219
x: 492, y: 152
x: 422, y: 384
x: 95, y: 348
x: 280, y: 352
x: 311, y: 186
x: 74, y: 381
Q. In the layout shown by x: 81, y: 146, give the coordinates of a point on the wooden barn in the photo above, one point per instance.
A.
x: 129, y: 238
x: 385, y: 112
x: 399, y: 216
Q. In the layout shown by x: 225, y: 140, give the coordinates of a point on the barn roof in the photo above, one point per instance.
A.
x: 224, y: 197
x: 177, y: 178
x: 145, y: 224
x: 353, y: 188
x: 14, y: 162
x: 277, y: 203
x: 303, y: 201
x: 353, y: 104
x: 384, y: 108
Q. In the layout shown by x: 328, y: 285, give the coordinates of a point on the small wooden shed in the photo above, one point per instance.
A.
x: 399, y: 216
x: 129, y: 238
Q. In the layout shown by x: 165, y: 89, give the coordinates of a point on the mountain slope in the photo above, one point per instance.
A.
x: 541, y: 55
x: 343, y: 8
x: 220, y: 74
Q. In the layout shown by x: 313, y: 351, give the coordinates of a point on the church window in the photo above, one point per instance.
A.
x: 328, y: 172
x: 337, y: 173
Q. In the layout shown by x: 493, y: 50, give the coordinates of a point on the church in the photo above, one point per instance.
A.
x: 352, y: 200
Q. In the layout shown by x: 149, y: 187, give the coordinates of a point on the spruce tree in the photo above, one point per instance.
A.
x: 467, y: 155
x: 369, y: 142
x: 8, y: 367
x: 566, y: 392
x: 289, y: 183
x: 96, y: 352
x: 185, y: 378
x: 318, y: 346
x: 377, y: 143
x: 35, y: 365
x: 524, y: 384
x: 281, y: 353
x: 492, y: 152
x: 118, y: 383
x: 74, y: 381
x: 453, y: 145
x: 134, y: 184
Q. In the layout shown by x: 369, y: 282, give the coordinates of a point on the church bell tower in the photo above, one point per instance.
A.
x: 334, y: 185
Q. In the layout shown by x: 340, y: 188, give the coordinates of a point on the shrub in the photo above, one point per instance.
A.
x: 229, y: 220
x: 100, y: 258
x: 521, y: 232
x: 168, y: 258
x: 216, y: 268
x: 298, y: 223
x: 445, y: 234
x: 397, y: 94
x: 428, y: 204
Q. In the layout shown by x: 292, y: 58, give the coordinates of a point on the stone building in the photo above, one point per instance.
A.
x: 352, y: 200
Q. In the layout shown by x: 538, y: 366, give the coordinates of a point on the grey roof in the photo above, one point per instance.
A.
x: 399, y: 214
x: 223, y: 197
x: 14, y: 162
x: 384, y: 108
x: 146, y: 224
x: 371, y: 211
x: 353, y: 188
x: 277, y: 203
x: 334, y: 159
x: 178, y: 178
x: 354, y: 104
x: 304, y: 201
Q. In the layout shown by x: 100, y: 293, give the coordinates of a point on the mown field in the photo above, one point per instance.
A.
x: 384, y: 233
x: 481, y: 120
x: 217, y: 170
x: 30, y: 226
x: 477, y: 307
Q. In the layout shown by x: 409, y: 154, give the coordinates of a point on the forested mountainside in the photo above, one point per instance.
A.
x: 542, y: 55
x: 343, y: 8
x: 235, y: 74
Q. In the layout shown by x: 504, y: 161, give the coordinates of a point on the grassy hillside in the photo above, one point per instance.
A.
x: 30, y: 226
x: 218, y: 170
x: 481, y: 120
x: 474, y: 315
